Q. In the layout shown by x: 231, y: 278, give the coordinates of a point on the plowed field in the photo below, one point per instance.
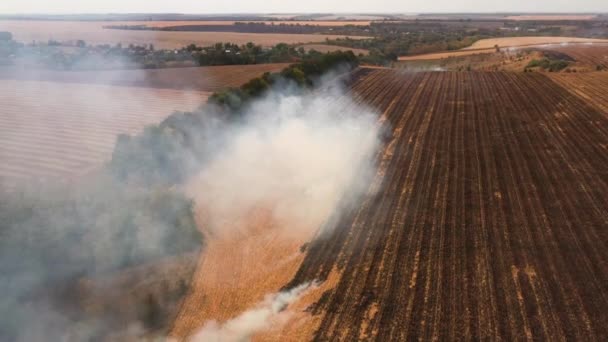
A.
x: 491, y: 219
x: 592, y: 87
x: 487, y: 219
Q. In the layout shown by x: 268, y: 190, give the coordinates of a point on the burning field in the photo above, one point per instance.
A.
x: 484, y: 218
x: 376, y: 205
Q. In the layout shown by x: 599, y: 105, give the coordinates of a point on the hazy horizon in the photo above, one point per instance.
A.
x: 68, y: 7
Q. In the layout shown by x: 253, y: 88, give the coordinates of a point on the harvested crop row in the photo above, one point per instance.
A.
x: 590, y: 87
x: 490, y: 220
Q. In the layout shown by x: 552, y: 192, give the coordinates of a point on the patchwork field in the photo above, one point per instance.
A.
x: 94, y: 33
x: 52, y: 130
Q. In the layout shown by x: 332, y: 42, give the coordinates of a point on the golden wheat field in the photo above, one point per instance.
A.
x: 529, y: 41
x: 489, y: 46
x: 50, y: 130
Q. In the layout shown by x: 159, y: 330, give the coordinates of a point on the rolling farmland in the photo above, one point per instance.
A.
x: 56, y: 130
x: 94, y: 33
x: 487, y: 218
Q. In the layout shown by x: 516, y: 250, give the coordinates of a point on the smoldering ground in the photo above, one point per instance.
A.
x: 269, y: 313
x: 282, y: 174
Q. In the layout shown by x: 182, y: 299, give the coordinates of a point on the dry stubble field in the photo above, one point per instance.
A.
x: 52, y: 130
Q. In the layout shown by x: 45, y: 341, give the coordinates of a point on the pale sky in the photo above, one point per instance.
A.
x: 300, y: 6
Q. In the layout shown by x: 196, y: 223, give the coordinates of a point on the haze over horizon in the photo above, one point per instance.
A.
x: 291, y: 6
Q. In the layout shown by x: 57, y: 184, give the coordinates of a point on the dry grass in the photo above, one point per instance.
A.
x: 94, y: 33
x: 242, y: 262
x: 50, y: 130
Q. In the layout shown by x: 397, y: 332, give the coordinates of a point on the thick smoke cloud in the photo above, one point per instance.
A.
x: 298, y: 155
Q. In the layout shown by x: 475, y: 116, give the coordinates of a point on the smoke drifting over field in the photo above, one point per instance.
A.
x: 302, y: 156
x: 270, y: 313
x: 67, y: 244
x: 297, y: 154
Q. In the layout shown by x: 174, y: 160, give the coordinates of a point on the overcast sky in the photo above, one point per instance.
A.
x: 291, y: 6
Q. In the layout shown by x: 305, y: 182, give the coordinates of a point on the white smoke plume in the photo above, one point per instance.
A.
x: 262, y: 317
x: 298, y: 155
